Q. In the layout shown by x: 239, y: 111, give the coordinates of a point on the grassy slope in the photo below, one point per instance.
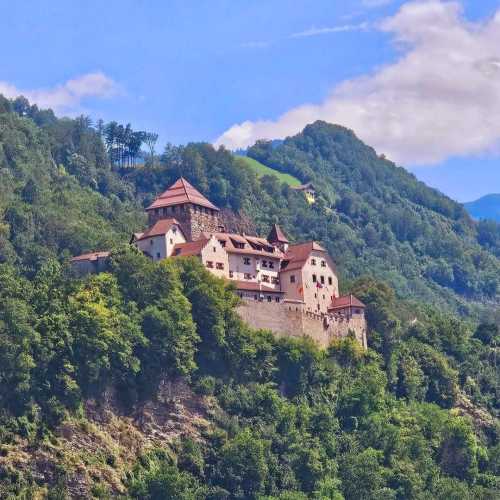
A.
x: 262, y: 170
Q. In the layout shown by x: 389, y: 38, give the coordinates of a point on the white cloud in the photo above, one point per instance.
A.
x: 333, y: 29
x: 66, y: 98
x: 440, y: 98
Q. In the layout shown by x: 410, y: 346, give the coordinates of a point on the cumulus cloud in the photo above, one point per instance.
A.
x: 439, y: 99
x: 66, y: 98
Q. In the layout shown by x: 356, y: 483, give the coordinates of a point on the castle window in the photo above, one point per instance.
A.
x: 330, y: 280
x: 158, y: 255
x: 315, y: 295
x: 271, y: 264
x: 315, y: 278
x: 323, y: 263
x: 210, y: 264
x: 269, y: 298
x: 264, y: 263
x: 322, y: 279
x: 246, y: 261
x: 292, y: 278
x: 256, y: 297
x: 277, y: 299
x: 215, y: 249
x: 247, y: 276
x: 323, y: 297
x: 171, y: 241
x: 265, y: 278
x: 231, y: 274
x: 151, y: 242
x: 313, y: 262
x: 219, y: 265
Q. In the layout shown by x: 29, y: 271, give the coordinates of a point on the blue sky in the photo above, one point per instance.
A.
x: 233, y: 70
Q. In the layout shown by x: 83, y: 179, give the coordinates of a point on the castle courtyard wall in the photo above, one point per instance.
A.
x: 287, y: 319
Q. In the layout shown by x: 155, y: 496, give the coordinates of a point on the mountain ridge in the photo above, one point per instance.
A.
x: 486, y: 207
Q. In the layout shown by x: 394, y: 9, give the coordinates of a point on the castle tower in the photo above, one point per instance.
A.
x: 277, y: 238
x: 189, y: 207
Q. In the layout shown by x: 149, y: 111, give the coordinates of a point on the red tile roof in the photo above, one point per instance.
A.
x: 252, y: 286
x: 159, y: 228
x: 297, y: 255
x: 230, y: 239
x: 346, y: 301
x: 181, y: 192
x: 277, y: 235
x: 90, y: 256
x: 303, y: 187
x: 190, y: 248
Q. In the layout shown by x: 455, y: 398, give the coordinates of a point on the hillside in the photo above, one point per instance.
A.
x: 262, y: 170
x: 487, y: 207
x: 143, y: 383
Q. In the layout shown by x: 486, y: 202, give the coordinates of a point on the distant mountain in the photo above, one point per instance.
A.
x: 487, y: 207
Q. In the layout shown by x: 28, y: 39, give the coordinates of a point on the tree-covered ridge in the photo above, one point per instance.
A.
x: 288, y: 420
x: 383, y: 215
x: 416, y: 416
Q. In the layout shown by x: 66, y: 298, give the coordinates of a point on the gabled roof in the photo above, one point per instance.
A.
x: 190, y: 248
x: 303, y: 187
x: 230, y: 239
x: 277, y: 235
x: 159, y: 228
x: 297, y: 255
x: 181, y: 192
x: 345, y: 301
x: 90, y: 256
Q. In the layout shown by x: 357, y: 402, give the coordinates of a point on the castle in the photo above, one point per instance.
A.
x: 291, y: 289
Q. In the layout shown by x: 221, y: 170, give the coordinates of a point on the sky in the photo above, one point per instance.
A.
x: 418, y: 80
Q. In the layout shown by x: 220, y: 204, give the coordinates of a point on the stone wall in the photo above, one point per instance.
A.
x: 195, y: 222
x: 291, y: 320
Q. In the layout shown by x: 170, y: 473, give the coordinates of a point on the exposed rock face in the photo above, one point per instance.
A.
x: 97, y: 450
x: 235, y: 223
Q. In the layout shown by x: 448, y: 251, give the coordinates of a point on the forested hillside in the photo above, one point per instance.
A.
x: 142, y: 382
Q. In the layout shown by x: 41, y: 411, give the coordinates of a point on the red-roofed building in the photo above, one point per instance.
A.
x: 90, y: 263
x: 308, y: 274
x: 291, y: 289
x: 159, y: 240
x: 348, y: 305
x: 186, y: 204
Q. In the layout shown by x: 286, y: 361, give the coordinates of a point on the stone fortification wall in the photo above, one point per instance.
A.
x: 291, y: 320
x: 197, y: 221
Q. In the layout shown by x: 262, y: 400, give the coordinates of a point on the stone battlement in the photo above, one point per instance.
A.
x: 288, y: 319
